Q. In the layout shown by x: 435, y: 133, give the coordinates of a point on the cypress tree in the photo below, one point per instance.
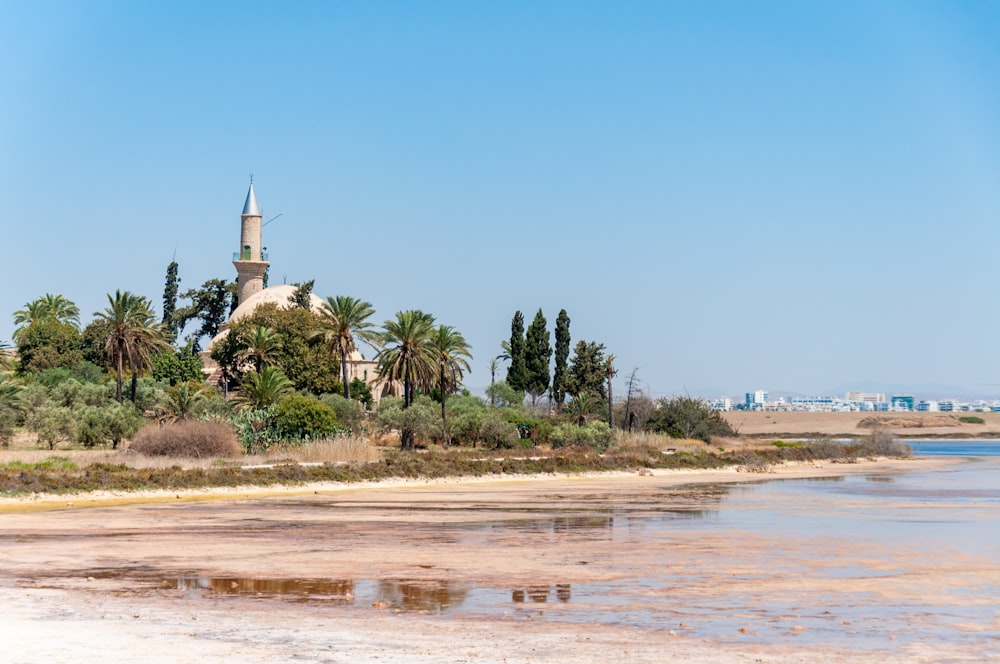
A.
x: 562, y: 358
x: 537, y: 352
x: 517, y: 373
x: 170, y: 300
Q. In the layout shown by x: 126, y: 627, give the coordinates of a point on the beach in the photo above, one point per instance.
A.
x: 624, y: 567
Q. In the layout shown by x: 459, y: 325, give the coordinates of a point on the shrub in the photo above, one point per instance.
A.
x: 971, y: 419
x: 302, y: 418
x: 115, y: 422
x: 687, y: 417
x: 212, y: 439
x: 350, y: 412
x: 882, y: 442
x: 497, y: 433
x: 256, y: 429
x: 596, y: 435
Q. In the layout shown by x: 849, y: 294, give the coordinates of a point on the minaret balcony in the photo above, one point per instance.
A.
x: 245, y: 256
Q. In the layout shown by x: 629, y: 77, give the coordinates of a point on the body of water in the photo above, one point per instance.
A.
x: 961, y: 448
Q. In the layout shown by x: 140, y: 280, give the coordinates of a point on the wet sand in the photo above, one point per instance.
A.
x: 500, y: 571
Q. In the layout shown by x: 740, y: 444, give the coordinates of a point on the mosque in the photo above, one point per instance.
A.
x: 251, y: 265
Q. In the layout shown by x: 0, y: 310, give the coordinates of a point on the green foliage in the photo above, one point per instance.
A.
x: 195, y: 440
x: 300, y: 297
x: 256, y: 429
x: 688, y: 417
x: 53, y: 462
x: 112, y: 422
x: 502, y: 394
x: 360, y: 391
x: 496, y: 432
x: 420, y: 418
x: 783, y: 443
x: 10, y: 407
x: 210, y: 304
x: 309, y: 365
x: 593, y: 434
x: 52, y: 424
x: 48, y: 343
x: 588, y: 370
x: 350, y: 413
x: 264, y: 389
x: 92, y: 341
x: 517, y: 372
x: 559, y: 375
x: 170, y: 300
x: 537, y: 352
x: 85, y: 372
x: 971, y: 419
x: 177, y: 366
x: 72, y: 393
x: 340, y: 321
x: 304, y: 418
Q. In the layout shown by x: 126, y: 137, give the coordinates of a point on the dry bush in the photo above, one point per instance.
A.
x: 187, y: 439
x: 660, y: 441
x: 334, y: 450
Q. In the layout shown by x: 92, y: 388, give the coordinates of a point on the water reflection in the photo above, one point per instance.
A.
x: 314, y: 588
x: 541, y: 594
x: 417, y: 595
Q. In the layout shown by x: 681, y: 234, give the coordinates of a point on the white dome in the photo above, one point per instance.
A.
x: 279, y: 295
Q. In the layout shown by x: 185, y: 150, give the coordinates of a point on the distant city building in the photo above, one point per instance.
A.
x: 756, y: 400
x: 866, y: 397
x: 725, y: 404
x: 927, y: 406
x: 903, y: 402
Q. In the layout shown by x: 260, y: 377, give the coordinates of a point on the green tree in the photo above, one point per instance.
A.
x: 178, y: 366
x: 688, y: 417
x: 503, y: 395
x: 133, y: 336
x: 260, y: 390
x: 211, y: 304
x: 406, y: 356
x: 558, y: 392
x: 114, y: 422
x: 537, y: 352
x: 301, y: 297
x: 261, y: 345
x: 48, y: 307
x: 303, y: 418
x: 48, y: 343
x: 343, y: 319
x: 587, y: 371
x: 170, y: 300
x: 309, y: 366
x: 517, y: 372
x: 10, y: 407
x: 450, y: 353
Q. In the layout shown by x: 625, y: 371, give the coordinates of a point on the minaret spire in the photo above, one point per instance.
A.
x: 250, y: 261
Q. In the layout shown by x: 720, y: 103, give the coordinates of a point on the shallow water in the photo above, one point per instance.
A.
x: 872, y: 561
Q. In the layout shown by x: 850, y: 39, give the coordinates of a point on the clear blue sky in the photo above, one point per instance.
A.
x: 729, y: 195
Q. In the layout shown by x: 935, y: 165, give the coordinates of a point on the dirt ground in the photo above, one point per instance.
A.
x: 804, y: 425
x: 349, y: 574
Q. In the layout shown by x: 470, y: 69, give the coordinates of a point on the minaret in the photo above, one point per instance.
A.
x: 250, y: 261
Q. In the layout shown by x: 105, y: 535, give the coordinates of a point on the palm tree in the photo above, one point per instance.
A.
x: 583, y: 405
x: 610, y: 371
x: 260, y: 346
x: 406, y: 356
x: 344, y: 318
x: 132, y: 335
x: 449, y: 351
x: 183, y: 401
x: 260, y: 390
x: 47, y: 307
x: 494, y: 365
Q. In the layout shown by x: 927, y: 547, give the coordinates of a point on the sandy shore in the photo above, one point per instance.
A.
x: 104, y: 578
x: 911, y: 425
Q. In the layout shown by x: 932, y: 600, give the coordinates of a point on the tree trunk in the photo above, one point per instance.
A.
x: 118, y: 367
x: 444, y: 416
x: 611, y: 408
x: 135, y: 384
x: 343, y: 373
